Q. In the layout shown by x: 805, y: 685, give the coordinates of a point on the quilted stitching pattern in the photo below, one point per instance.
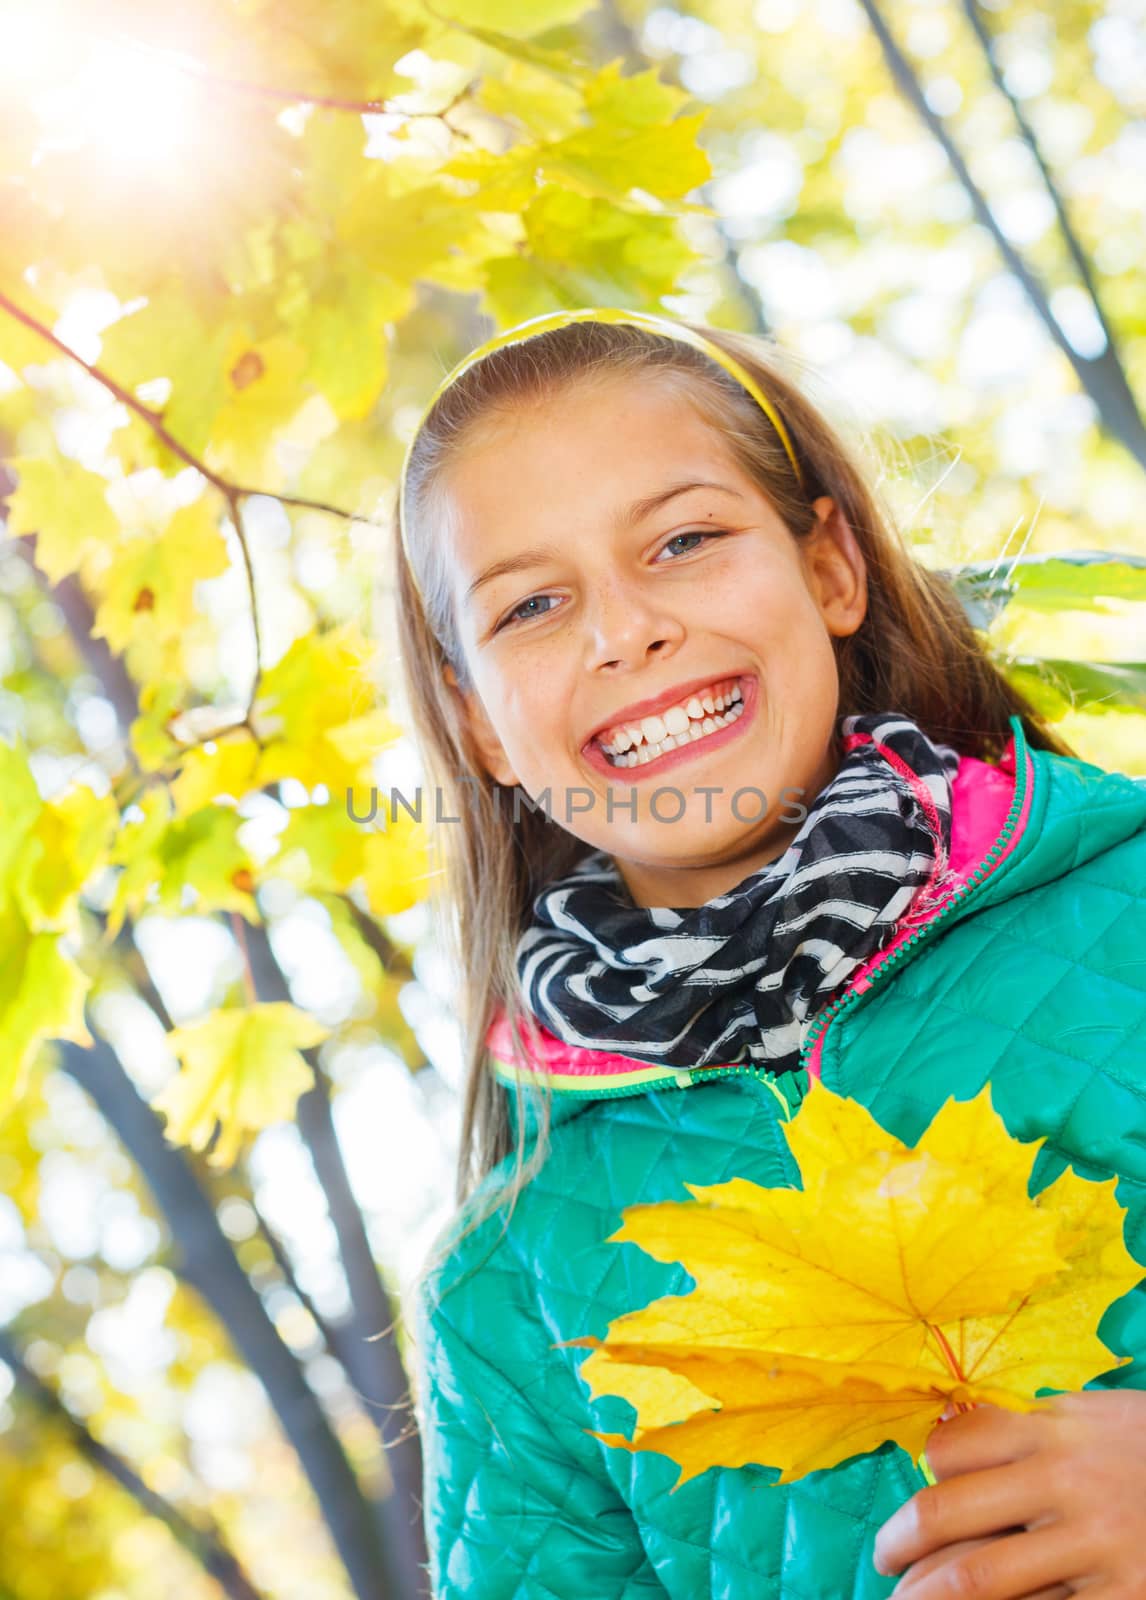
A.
x: 1042, y: 988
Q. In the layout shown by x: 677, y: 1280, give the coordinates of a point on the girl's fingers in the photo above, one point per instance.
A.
x: 1016, y: 1566
x: 987, y: 1436
x: 1056, y: 1591
x: 969, y: 1506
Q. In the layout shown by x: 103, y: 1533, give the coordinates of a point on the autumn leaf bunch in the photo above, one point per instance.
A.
x: 896, y: 1282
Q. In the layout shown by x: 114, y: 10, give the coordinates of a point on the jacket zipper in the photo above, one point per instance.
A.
x: 685, y: 1076
x: 852, y: 995
x: 750, y: 1070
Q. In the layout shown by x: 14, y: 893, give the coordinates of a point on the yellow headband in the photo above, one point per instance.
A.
x: 560, y: 319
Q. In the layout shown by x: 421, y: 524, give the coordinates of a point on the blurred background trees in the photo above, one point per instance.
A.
x: 239, y: 245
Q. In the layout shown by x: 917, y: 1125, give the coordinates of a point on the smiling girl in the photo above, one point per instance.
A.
x: 743, y: 803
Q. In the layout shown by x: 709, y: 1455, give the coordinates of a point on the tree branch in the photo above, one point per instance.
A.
x: 233, y: 493
x: 1073, y: 244
x: 1102, y: 379
x: 377, y: 1371
x: 235, y: 506
x: 203, y: 1542
x: 211, y: 1267
x: 292, y: 97
x: 327, y: 102
x: 342, y: 1339
x: 154, y: 421
x: 209, y: 1264
x: 290, y: 1277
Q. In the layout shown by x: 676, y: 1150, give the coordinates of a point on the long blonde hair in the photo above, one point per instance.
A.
x: 915, y: 652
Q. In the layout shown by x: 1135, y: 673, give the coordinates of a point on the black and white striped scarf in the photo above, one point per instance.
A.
x: 741, y: 977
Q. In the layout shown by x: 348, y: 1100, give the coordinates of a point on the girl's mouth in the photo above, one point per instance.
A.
x: 701, y: 723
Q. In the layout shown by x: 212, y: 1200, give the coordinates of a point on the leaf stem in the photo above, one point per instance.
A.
x: 953, y: 1366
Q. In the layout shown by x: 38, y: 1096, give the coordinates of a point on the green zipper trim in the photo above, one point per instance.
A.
x: 853, y: 997
x: 680, y: 1078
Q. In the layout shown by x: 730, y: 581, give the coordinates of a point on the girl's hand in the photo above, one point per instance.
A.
x: 1028, y: 1504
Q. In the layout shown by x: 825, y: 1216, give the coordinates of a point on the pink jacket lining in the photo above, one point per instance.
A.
x: 981, y: 796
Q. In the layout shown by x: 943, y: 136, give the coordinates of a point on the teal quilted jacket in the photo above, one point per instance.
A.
x: 1032, y: 975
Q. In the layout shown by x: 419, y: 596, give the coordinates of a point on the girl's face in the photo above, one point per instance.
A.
x: 595, y: 590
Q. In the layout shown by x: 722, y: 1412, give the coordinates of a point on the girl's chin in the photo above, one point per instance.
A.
x: 694, y: 842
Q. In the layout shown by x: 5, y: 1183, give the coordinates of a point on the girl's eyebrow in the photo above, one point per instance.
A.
x: 636, y: 512
x: 653, y: 502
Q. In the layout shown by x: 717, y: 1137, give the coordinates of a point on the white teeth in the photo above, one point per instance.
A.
x: 651, y: 750
x: 653, y: 735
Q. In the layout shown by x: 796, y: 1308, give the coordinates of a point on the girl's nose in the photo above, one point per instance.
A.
x: 625, y: 624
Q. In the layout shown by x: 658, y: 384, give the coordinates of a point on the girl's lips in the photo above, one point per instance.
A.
x: 681, y: 752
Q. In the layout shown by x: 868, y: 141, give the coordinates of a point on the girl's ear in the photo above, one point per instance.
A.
x: 835, y: 568
x: 488, y: 746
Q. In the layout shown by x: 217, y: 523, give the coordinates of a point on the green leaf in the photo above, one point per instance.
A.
x: 1062, y: 580
x: 171, y: 865
x: 586, y: 252
x: 1056, y: 686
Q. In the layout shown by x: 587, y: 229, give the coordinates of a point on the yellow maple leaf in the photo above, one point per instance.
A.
x: 66, y: 507
x: 71, y: 835
x: 318, y: 714
x: 397, y: 868
x: 150, y: 591
x: 242, y: 1068
x: 42, y: 992
x: 898, y: 1280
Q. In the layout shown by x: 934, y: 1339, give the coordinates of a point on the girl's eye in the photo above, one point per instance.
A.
x: 518, y: 614
x: 514, y: 616
x: 699, y: 533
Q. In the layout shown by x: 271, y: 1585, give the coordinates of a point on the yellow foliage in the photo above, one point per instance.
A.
x: 396, y: 865
x: 897, y: 1281
x: 172, y: 862
x: 241, y: 1068
x: 317, y: 711
x: 47, y: 850
x: 262, y: 391
x: 66, y: 507
x: 150, y: 591
x: 41, y: 997
x: 69, y: 841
